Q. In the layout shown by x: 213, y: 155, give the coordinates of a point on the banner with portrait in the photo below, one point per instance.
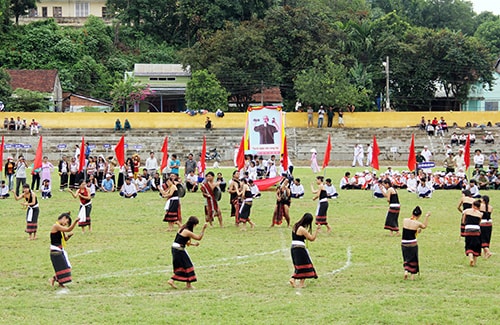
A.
x: 265, y: 130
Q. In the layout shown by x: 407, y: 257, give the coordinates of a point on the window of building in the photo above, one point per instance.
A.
x: 491, y: 106
x: 153, y: 78
x: 82, y: 9
x: 56, y: 11
x: 171, y: 79
x: 44, y: 11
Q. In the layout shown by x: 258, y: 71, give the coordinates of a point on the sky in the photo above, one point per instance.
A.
x: 486, y: 5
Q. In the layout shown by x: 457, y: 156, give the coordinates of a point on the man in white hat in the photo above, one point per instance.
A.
x: 108, y: 185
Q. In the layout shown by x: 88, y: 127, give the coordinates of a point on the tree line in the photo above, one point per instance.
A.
x: 326, y: 52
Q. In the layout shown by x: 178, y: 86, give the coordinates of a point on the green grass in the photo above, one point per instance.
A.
x: 120, y: 271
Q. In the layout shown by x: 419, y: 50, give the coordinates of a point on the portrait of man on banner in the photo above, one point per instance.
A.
x: 264, y: 126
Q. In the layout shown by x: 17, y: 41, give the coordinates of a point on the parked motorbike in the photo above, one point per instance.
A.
x: 212, y: 154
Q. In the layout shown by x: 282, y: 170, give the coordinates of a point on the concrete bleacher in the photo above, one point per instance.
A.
x: 185, y: 140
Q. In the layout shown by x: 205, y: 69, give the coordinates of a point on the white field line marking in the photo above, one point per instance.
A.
x: 169, y: 292
x: 154, y: 270
x: 346, y: 265
x: 85, y: 253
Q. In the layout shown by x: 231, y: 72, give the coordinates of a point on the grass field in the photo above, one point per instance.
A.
x: 120, y: 271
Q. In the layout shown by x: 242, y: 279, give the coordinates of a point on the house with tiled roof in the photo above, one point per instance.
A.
x: 43, y: 81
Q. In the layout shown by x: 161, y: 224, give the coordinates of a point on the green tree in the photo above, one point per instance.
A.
x: 205, y: 92
x: 21, y: 7
x: 5, y: 88
x: 126, y: 92
x: 328, y: 83
x: 488, y: 32
x: 29, y: 101
x: 239, y: 57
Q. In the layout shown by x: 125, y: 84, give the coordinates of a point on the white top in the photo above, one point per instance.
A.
x: 427, y: 154
x: 296, y: 189
x: 20, y: 170
x: 151, y: 163
x: 129, y: 188
x: 479, y: 159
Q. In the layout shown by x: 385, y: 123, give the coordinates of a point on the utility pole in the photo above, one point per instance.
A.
x: 387, y: 98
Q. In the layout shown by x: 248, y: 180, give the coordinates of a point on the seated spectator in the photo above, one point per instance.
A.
x: 6, y: 123
x: 254, y: 189
x: 472, y: 139
x: 142, y: 184
x: 128, y: 190
x: 156, y: 182
x: 4, y: 190
x: 19, y: 123
x: 443, y: 124
x: 482, y: 181
x: 24, y: 124
x: 411, y: 183
x: 378, y: 190
x: 438, y: 181
x: 344, y: 182
x: 454, y: 139
x: 221, y: 181
x: 12, y: 124
x: 429, y: 128
x: 355, y: 182
x: 118, y: 125
x: 422, y: 124
x: 474, y: 189
x: 219, y: 113
x: 108, y: 185
x: 297, y: 189
x: 462, y: 139
x: 208, y: 124
x: 46, y: 189
x: 478, y: 159
x: 34, y: 127
x: 488, y: 139
x: 192, y: 181
x: 126, y: 125
x: 331, y: 191
x: 423, y: 190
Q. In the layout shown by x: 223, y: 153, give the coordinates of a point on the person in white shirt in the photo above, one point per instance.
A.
x: 377, y: 190
x: 128, y: 190
x: 344, y: 182
x: 427, y: 154
x: 252, y: 170
x: 151, y: 164
x: 331, y: 191
x: 46, y: 189
x: 423, y: 190
x: 254, y: 189
x: 369, y: 154
x: 297, y: 189
x: 478, y: 159
x: 142, y: 184
x: 411, y: 183
x: 192, y: 181
x: 271, y: 169
x: 474, y: 189
x: 358, y: 155
x: 4, y: 190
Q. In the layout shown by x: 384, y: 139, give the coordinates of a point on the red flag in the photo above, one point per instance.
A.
x: 467, y: 152
x: 375, y: 153
x: 240, y: 158
x: 164, y: 150
x: 285, y: 156
x: 39, y: 155
x: 120, y: 151
x: 412, y: 158
x: 1, y: 154
x: 327, y: 152
x: 82, y: 155
x: 203, y: 157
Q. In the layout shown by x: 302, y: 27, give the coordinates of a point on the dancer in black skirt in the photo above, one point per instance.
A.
x: 183, y: 267
x: 322, y: 197
x: 464, y: 204
x: 60, y: 232
x: 246, y: 206
x: 471, y: 218
x: 32, y: 210
x: 486, y: 225
x: 172, y: 206
x: 409, y: 245
x: 391, y: 220
x: 283, y: 201
x: 303, y: 267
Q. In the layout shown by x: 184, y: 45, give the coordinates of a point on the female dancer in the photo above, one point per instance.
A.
x: 322, y: 210
x: 471, y: 218
x: 83, y: 194
x: 183, y: 267
x: 172, y: 207
x: 409, y: 245
x: 303, y: 267
x: 246, y: 206
x: 60, y: 233
x: 486, y: 225
x: 464, y: 204
x: 283, y: 201
x: 391, y: 220
x: 33, y: 211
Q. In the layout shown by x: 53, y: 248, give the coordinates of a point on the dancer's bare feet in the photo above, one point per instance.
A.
x: 51, y: 281
x: 471, y: 262
x: 189, y: 286
x: 406, y: 276
x: 172, y: 284
x: 292, y: 282
x: 328, y: 229
x: 487, y: 254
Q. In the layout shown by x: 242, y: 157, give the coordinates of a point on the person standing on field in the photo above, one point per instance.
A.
x: 409, y: 246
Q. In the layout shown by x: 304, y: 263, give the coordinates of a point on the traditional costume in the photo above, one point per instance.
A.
x: 486, y: 227
x: 391, y: 220
x: 409, y: 247
x: 322, y: 210
x: 173, y: 208
x: 302, y: 264
x: 59, y: 258
x: 85, y: 209
x: 244, y: 214
x: 32, y: 214
x: 279, y: 212
x: 211, y: 206
x: 472, y: 235
x: 234, y: 200
x: 183, y: 267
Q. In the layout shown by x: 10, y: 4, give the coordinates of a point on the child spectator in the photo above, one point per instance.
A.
x: 297, y: 189
x: 4, y: 190
x: 46, y: 189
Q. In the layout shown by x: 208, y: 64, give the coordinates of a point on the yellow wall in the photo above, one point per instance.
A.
x: 237, y: 120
